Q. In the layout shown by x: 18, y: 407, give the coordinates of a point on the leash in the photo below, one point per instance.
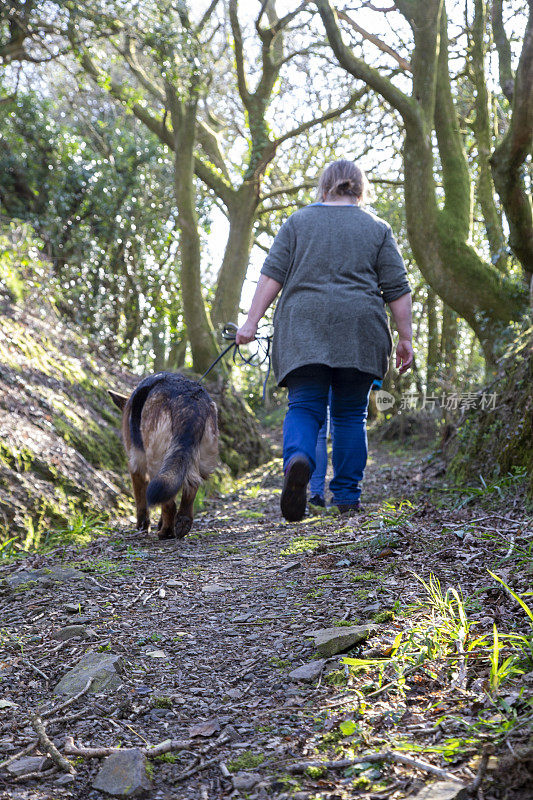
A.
x: 229, y: 332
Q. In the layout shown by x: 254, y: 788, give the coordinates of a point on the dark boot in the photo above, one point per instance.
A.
x: 350, y: 508
x: 317, y: 500
x: 294, y: 492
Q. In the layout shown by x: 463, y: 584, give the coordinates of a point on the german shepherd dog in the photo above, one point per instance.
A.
x: 170, y: 433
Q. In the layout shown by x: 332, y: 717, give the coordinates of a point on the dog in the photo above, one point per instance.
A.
x: 170, y: 434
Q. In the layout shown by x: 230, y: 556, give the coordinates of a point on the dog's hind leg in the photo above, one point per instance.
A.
x: 168, y: 515
x: 185, y: 515
x: 139, y: 491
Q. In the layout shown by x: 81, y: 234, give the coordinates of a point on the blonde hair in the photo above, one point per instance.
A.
x: 342, y: 178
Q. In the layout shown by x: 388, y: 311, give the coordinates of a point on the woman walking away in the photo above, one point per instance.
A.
x: 338, y: 265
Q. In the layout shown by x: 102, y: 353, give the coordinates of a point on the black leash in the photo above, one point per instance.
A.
x: 229, y: 332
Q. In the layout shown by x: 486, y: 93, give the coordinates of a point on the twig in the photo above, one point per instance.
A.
x: 483, y: 764
x: 69, y: 702
x: 30, y: 776
x: 89, y: 752
x: 101, y: 585
x: 388, y: 755
x: 168, y: 746
x: 28, y: 749
x: 35, y: 669
x: 196, y: 769
x: 49, y: 747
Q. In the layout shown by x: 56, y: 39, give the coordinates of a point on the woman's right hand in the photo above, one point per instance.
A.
x: 246, y: 333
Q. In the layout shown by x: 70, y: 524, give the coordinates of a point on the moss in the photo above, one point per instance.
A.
x: 161, y: 702
x: 99, y: 445
x: 509, y: 424
x: 383, y: 616
x: 247, y: 760
x: 167, y: 758
x: 316, y: 772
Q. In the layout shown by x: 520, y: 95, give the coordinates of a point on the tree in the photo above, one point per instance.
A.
x: 176, y: 108
x: 483, y: 293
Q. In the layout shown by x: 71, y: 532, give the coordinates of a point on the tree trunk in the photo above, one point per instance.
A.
x: 439, y: 238
x: 199, y: 327
x: 232, y: 273
x: 448, y: 343
x: 433, y: 341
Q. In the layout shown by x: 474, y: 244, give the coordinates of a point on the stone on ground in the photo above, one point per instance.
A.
x: 308, y: 672
x: 43, y: 576
x: 124, y: 775
x: 443, y: 790
x: 23, y: 766
x: 102, y: 666
x: 244, y: 781
x: 71, y: 631
x: 330, y: 641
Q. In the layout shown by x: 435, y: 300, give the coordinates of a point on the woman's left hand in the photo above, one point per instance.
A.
x: 246, y: 333
x: 404, y: 355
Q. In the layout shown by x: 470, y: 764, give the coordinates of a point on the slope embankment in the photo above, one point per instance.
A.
x: 61, y: 459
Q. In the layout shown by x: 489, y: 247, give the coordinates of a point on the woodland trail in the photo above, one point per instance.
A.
x: 209, y: 630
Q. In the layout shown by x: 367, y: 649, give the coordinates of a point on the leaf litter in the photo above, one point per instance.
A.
x: 209, y: 630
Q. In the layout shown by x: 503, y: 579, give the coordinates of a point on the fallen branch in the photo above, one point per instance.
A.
x: 483, y: 764
x: 389, y: 755
x: 28, y: 749
x: 49, y: 747
x: 69, y: 702
x: 168, y: 746
x: 196, y: 769
x: 30, y: 776
x: 35, y: 669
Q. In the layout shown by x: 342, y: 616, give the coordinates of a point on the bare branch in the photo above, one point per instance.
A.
x: 385, y: 48
x: 332, y: 114
x: 290, y: 189
x: 206, y: 17
x: 239, y: 53
x: 503, y: 48
x: 129, y: 55
x: 360, y: 69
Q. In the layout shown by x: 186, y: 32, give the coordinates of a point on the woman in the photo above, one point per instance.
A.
x: 337, y: 265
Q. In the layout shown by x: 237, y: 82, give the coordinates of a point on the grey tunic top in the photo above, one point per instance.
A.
x: 338, y: 265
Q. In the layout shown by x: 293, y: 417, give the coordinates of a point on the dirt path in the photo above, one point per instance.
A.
x: 209, y: 631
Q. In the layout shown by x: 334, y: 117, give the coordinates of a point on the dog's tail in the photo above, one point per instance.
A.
x: 182, y: 461
x: 170, y: 478
x: 138, y: 399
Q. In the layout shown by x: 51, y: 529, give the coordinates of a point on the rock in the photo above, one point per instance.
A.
x: 244, y: 781
x: 289, y: 566
x: 43, y: 576
x: 216, y: 588
x: 72, y: 608
x: 7, y: 704
x: 205, y: 728
x: 330, y: 641
x: 156, y: 654
x: 65, y: 779
x: 103, y: 666
x: 308, y: 672
x: 27, y: 764
x: 124, y: 775
x: 443, y: 790
x: 71, y: 631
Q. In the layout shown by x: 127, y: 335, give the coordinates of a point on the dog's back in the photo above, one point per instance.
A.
x: 170, y: 432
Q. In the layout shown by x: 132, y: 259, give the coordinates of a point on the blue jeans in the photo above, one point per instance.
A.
x: 309, y: 388
x: 317, y: 484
